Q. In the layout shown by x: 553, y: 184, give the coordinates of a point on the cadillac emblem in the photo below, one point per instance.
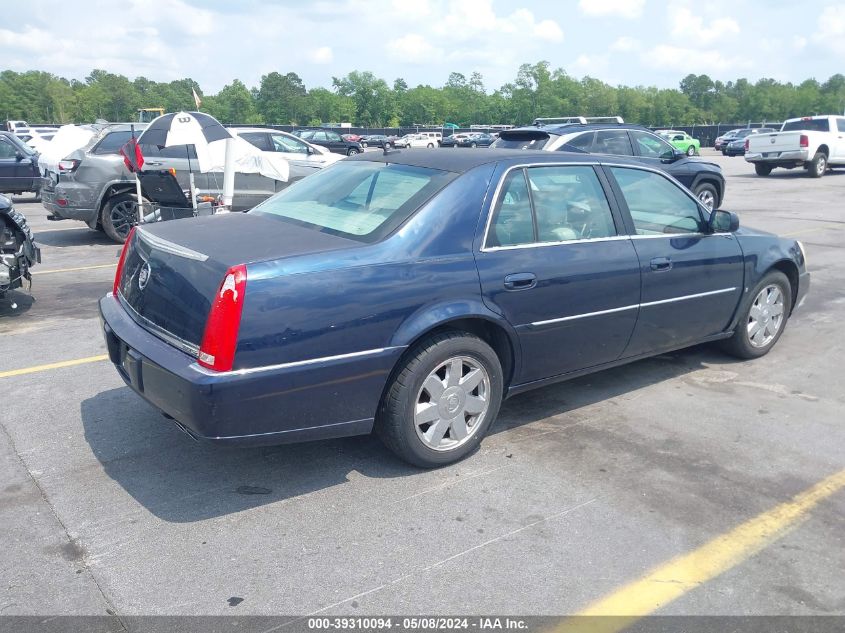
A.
x: 144, y: 276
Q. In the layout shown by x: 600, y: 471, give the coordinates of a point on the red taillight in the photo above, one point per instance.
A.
x: 119, y: 272
x: 220, y: 339
x: 68, y: 165
x: 746, y: 145
x: 805, y: 140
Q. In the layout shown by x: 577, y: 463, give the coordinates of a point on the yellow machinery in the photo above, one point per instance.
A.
x: 145, y: 115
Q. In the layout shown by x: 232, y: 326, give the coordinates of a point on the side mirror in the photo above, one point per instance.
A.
x: 671, y: 157
x: 723, y: 221
x: 19, y: 155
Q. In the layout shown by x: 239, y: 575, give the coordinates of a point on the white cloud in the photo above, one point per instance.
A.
x: 548, y: 30
x: 593, y: 65
x: 831, y: 28
x: 628, y: 9
x: 322, y: 55
x: 413, y: 48
x: 625, y: 44
x: 691, y: 60
x: 691, y: 29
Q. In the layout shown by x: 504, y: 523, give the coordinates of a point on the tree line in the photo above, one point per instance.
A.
x: 369, y: 101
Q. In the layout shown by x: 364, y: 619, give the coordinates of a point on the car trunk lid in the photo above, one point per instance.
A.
x: 172, y: 270
x: 775, y: 142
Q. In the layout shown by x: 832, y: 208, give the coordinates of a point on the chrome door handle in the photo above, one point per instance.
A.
x: 661, y: 264
x: 520, y: 281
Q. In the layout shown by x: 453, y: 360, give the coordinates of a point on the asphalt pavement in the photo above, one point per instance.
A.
x: 580, y: 491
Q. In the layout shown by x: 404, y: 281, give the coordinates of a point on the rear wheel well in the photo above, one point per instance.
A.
x: 494, y: 335
x: 791, y: 271
x: 110, y: 192
x: 824, y: 150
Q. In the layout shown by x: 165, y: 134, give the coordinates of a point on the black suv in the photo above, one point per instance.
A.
x: 617, y: 138
x: 332, y: 141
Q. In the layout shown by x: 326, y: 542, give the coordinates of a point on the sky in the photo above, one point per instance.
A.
x: 627, y: 42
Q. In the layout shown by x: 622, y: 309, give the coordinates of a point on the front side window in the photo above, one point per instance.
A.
x: 334, y: 137
x: 650, y: 145
x: 320, y: 137
x: 549, y: 205
x: 657, y: 205
x: 7, y: 150
x: 282, y: 143
x: 840, y: 124
x: 614, y: 142
x: 363, y: 201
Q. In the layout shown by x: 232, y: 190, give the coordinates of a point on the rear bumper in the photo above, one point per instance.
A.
x: 774, y: 158
x: 68, y: 211
x: 333, y: 397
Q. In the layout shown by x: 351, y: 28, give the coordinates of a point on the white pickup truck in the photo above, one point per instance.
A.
x: 815, y: 143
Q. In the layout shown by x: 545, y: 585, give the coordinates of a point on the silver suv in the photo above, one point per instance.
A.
x: 93, y: 185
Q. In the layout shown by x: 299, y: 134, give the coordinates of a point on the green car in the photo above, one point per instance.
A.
x: 682, y: 141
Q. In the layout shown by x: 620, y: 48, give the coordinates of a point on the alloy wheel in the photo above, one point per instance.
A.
x: 124, y: 216
x: 707, y: 198
x: 452, y: 403
x: 765, y: 316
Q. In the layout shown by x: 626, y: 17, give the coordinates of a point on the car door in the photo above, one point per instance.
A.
x: 16, y: 173
x: 555, y: 262
x: 692, y: 281
x: 336, y: 143
x: 838, y: 153
x: 302, y: 159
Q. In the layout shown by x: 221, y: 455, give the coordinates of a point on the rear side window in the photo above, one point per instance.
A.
x: 614, y: 142
x: 657, y: 205
x: 583, y: 142
x: 112, y: 142
x: 811, y: 125
x: 550, y: 205
x: 174, y: 151
x: 261, y: 140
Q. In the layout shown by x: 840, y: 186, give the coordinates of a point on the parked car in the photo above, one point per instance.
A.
x: 478, y: 139
x: 415, y: 140
x: 815, y: 143
x: 19, y: 171
x: 736, y: 147
x: 377, y: 140
x: 18, y: 251
x: 303, y: 157
x: 409, y: 292
x: 703, y: 178
x: 354, y: 138
x: 455, y: 139
x: 93, y: 185
x: 682, y: 141
x: 330, y: 140
x: 724, y: 139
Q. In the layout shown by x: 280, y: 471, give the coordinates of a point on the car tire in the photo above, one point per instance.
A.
x: 436, y: 435
x: 363, y: 144
x: 473, y: 145
x: 120, y: 214
x: 724, y: 152
x: 707, y: 195
x: 351, y: 151
x: 741, y: 344
x: 430, y: 146
x: 691, y: 150
x: 762, y: 169
x: 817, y: 166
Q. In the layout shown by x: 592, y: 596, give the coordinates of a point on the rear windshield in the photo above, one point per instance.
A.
x: 813, y: 125
x: 364, y: 201
x: 522, y: 140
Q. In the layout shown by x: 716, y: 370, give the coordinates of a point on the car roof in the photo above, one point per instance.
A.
x: 568, y: 128
x: 460, y: 162
x: 238, y: 130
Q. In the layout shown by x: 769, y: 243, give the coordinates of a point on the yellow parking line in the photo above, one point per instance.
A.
x: 70, y: 270
x: 65, y: 363
x: 673, y: 579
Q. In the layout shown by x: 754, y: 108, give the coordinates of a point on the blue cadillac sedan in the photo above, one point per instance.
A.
x: 409, y: 292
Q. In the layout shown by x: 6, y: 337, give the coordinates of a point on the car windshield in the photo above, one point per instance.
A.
x: 360, y: 200
x: 522, y: 140
x: 811, y: 125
